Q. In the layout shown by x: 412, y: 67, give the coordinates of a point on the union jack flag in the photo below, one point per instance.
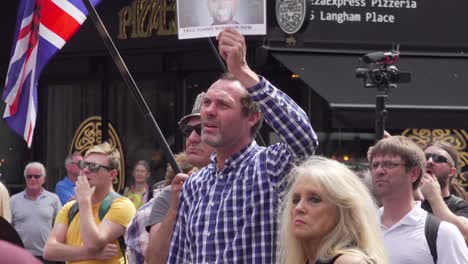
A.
x: 42, y: 28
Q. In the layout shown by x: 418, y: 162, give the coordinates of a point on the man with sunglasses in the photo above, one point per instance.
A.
x: 87, y: 238
x: 228, y: 209
x: 33, y: 210
x: 397, y: 165
x: 164, y: 210
x: 442, y: 167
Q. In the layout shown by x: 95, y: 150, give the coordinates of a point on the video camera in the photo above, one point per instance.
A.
x: 381, y: 72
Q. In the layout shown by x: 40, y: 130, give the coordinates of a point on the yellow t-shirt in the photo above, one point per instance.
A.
x: 136, y: 197
x: 121, y: 212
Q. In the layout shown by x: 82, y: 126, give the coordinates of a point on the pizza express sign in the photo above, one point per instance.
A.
x: 411, y: 23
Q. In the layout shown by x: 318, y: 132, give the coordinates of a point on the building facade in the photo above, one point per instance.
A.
x: 312, y: 59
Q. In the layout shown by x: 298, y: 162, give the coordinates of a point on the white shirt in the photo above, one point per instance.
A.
x: 406, y: 243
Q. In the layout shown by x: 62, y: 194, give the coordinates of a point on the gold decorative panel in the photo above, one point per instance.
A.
x: 89, y: 134
x: 458, y: 138
x: 147, y: 18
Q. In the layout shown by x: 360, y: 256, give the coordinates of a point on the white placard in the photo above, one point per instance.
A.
x: 206, y: 18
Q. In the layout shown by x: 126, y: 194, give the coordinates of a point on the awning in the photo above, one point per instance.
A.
x: 438, y: 89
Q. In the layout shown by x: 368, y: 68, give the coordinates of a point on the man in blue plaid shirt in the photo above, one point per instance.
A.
x: 228, y: 210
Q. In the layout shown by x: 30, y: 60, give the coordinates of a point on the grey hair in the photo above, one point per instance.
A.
x: 69, y: 158
x: 37, y: 165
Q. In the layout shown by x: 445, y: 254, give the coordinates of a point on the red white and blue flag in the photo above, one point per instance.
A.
x: 42, y: 28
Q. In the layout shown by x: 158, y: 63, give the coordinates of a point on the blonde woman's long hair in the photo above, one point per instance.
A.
x: 358, y: 229
x: 5, y: 211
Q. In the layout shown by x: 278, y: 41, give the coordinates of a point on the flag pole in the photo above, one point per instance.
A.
x: 130, y: 82
x: 218, y: 57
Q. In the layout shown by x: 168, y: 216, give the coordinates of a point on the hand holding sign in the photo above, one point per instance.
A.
x: 232, y: 49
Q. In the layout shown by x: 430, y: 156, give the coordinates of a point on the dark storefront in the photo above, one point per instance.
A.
x: 323, y: 43
x: 82, y: 82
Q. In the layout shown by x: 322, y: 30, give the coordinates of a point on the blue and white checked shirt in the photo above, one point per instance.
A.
x: 136, y: 236
x: 230, y: 216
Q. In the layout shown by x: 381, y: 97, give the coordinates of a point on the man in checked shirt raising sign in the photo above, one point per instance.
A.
x: 228, y: 209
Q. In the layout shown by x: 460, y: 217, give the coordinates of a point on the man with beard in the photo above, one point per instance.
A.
x: 223, y: 11
x: 228, y: 209
x: 442, y: 166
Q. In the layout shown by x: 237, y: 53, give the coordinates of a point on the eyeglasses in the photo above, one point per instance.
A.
x: 437, y: 158
x: 386, y: 165
x: 35, y: 176
x: 187, y: 130
x: 93, y: 167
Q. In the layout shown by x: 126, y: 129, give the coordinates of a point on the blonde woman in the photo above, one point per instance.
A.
x: 5, y: 211
x: 7, y: 231
x: 138, y: 191
x: 329, y: 217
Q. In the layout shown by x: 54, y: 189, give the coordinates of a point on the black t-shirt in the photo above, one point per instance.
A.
x: 8, y: 233
x: 455, y: 204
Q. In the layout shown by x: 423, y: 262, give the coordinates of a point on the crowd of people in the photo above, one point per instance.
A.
x: 238, y: 202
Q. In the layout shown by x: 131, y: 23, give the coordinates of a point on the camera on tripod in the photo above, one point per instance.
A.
x: 381, y: 72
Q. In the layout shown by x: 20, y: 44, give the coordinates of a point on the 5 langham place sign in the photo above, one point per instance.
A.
x: 411, y: 23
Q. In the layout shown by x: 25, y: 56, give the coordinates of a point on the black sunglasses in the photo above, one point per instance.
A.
x: 35, y: 176
x: 437, y: 158
x: 187, y: 130
x: 93, y: 167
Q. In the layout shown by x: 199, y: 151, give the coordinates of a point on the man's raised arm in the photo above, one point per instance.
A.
x: 280, y: 111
